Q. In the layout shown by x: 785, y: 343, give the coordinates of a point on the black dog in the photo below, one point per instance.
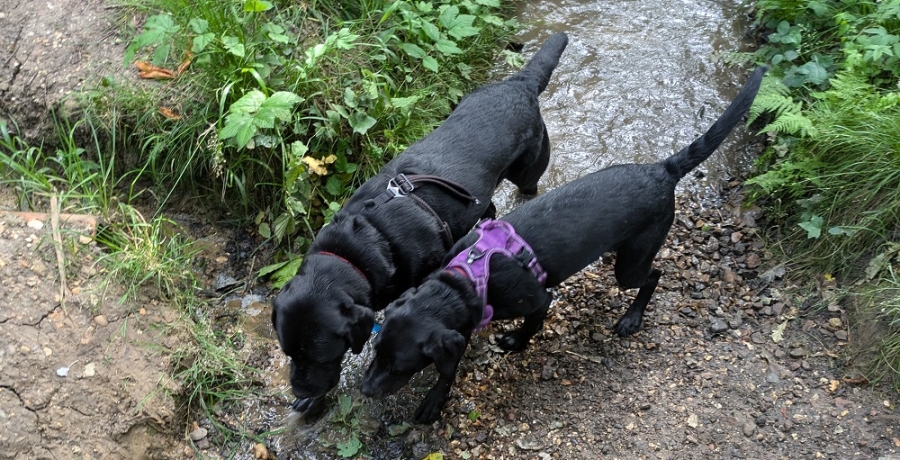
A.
x: 627, y: 208
x: 399, y: 224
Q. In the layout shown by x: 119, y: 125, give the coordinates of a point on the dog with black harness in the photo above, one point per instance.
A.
x: 503, y: 268
x: 398, y: 225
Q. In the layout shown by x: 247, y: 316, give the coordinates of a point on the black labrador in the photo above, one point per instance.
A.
x: 399, y: 224
x: 626, y: 208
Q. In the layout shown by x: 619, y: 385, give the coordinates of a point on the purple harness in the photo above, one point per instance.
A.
x: 494, y: 237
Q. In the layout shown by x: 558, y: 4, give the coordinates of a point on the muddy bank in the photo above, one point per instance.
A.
x: 89, y: 378
x: 47, y: 52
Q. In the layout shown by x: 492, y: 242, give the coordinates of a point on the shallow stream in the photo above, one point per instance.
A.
x: 639, y: 80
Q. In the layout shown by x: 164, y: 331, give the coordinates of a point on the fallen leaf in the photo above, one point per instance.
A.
x: 778, y: 333
x: 833, y: 385
x: 434, y: 456
x: 896, y: 442
x: 148, y: 70
x: 168, y: 113
x: 185, y: 63
x: 260, y: 452
x: 861, y: 380
x: 315, y: 165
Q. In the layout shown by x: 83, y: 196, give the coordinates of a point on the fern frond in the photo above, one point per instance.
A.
x: 792, y: 123
x: 773, y: 97
x: 736, y: 58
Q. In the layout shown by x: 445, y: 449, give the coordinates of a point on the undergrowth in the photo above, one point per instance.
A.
x: 271, y: 111
x: 278, y: 110
x: 830, y: 178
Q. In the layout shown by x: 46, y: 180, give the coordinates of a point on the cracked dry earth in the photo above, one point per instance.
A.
x: 48, y: 50
x: 86, y: 381
x: 731, y: 362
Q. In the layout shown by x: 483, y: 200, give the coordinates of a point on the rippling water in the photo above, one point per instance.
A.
x: 638, y: 81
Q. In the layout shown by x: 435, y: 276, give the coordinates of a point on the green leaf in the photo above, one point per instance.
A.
x: 240, y: 126
x: 158, y: 31
x: 264, y: 230
x: 447, y: 47
x: 201, y: 42
x: 248, y: 103
x: 813, y: 226
x: 199, y: 25
x: 430, y: 63
x: 233, y: 45
x: 491, y: 19
x: 404, y: 102
x: 284, y: 225
x: 277, y: 106
x: 334, y: 186
x: 413, y: 50
x: 491, y: 3
x: 431, y: 31
x: 285, y: 273
x: 257, y: 6
x: 361, y: 122
x: 344, y: 405
x: 349, y: 448
x: 473, y: 415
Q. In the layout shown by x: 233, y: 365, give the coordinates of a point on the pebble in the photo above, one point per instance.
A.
x: 198, y: 434
x: 718, y: 326
x: 749, y: 429
x: 835, y: 323
x: 101, y: 321
x: 798, y: 352
x: 35, y: 224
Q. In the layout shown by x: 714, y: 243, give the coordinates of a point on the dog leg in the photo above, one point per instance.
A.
x: 631, y: 321
x: 526, y: 176
x: 309, y: 407
x: 518, y: 339
x: 446, y: 350
x: 429, y: 409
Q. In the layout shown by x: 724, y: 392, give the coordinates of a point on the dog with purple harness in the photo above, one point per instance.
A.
x: 502, y: 269
x: 399, y: 224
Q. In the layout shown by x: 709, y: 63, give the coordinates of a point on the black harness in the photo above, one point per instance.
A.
x: 402, y: 185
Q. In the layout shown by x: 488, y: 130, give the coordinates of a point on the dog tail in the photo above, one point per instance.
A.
x: 680, y: 164
x: 537, y: 72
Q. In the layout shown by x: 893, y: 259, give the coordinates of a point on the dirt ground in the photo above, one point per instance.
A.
x: 730, y: 363
x: 47, y: 51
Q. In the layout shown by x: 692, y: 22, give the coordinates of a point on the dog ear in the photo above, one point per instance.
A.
x: 446, y: 349
x: 362, y: 320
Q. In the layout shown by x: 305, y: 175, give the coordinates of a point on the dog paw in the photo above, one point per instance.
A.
x: 512, y: 343
x: 428, y: 411
x: 309, y: 407
x: 627, y: 326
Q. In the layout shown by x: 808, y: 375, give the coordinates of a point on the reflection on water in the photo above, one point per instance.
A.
x: 638, y: 81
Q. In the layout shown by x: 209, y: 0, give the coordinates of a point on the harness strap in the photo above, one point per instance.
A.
x: 494, y: 237
x: 403, y: 185
x: 326, y: 253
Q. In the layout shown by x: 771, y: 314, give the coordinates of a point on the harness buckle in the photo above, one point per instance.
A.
x: 526, y: 258
x: 474, y: 254
x: 400, y: 186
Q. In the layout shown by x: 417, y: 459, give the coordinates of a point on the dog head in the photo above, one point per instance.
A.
x: 317, y: 321
x: 419, y: 329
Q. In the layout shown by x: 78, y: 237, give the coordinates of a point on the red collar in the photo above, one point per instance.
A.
x: 347, y: 262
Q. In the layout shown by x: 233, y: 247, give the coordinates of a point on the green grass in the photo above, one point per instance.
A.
x: 829, y: 180
x: 284, y: 109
